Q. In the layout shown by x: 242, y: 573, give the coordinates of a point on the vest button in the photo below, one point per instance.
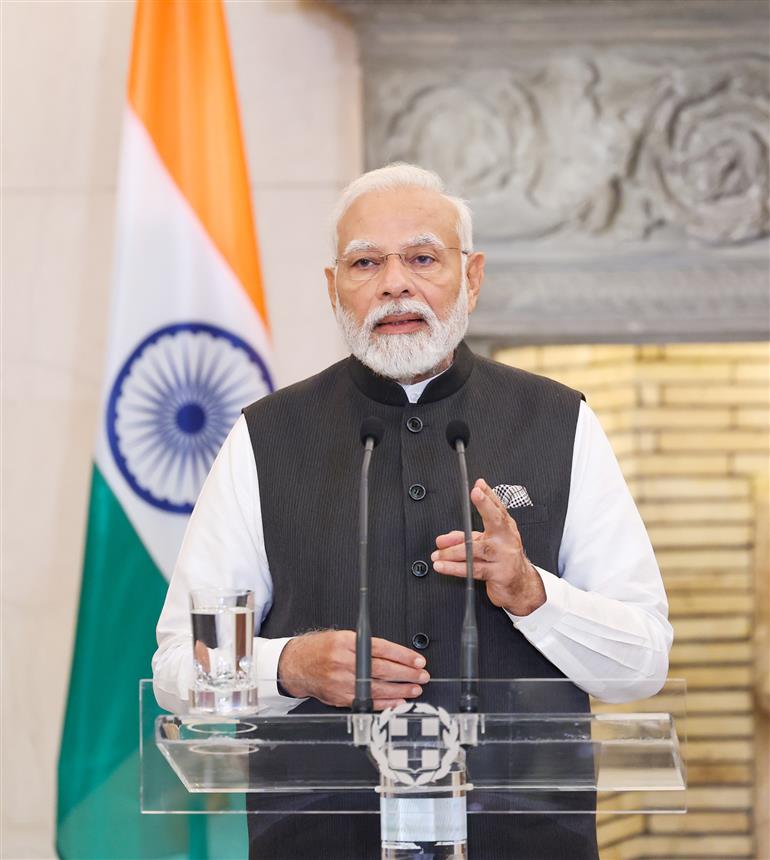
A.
x: 420, y: 641
x: 417, y: 492
x: 414, y: 424
x: 419, y: 567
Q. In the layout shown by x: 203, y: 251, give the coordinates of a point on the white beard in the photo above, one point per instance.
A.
x: 404, y: 357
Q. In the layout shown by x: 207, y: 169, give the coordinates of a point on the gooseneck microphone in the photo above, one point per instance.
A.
x: 372, y: 430
x: 458, y: 434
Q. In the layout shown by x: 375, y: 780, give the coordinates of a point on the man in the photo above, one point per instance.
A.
x: 568, y: 581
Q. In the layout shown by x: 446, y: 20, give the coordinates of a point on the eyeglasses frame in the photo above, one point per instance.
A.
x: 400, y: 255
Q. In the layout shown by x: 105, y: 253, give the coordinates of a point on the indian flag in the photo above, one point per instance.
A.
x: 188, y: 347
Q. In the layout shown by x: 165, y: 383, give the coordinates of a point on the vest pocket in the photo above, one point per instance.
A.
x: 530, y: 514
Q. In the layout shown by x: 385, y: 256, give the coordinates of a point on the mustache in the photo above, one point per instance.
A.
x: 400, y: 306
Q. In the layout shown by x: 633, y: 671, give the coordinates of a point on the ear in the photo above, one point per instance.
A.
x: 475, y: 277
x: 331, y: 287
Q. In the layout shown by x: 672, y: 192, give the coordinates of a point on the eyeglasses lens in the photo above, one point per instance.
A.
x: 426, y: 261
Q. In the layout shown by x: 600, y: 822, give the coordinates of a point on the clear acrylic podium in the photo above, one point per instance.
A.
x: 423, y: 767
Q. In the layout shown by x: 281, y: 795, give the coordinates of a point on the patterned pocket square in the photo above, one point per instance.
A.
x: 513, y: 495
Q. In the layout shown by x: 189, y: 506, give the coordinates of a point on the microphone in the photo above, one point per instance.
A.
x: 372, y: 430
x: 458, y: 434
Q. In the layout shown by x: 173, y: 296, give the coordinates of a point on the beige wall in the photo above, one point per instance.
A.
x: 690, y: 426
x: 63, y: 74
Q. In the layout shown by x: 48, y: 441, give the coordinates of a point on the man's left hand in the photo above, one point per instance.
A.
x: 498, y: 556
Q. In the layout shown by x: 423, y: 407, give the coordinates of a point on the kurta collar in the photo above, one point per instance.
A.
x: 392, y: 394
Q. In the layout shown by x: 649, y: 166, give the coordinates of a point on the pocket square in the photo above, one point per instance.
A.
x: 513, y: 495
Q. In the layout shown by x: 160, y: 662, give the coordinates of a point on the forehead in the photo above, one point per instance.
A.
x: 388, y: 218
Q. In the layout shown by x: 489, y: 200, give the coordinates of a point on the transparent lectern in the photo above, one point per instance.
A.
x: 423, y: 767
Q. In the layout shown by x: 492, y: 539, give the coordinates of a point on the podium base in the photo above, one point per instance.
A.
x: 427, y: 822
x: 425, y: 851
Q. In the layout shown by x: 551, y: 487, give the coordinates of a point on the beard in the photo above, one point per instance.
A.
x: 404, y: 357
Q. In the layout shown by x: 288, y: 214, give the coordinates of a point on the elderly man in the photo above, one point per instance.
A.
x: 568, y: 581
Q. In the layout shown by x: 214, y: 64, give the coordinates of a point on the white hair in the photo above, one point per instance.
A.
x: 396, y: 176
x: 405, y: 356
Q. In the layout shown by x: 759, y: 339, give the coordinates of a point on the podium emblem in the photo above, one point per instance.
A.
x: 415, y: 743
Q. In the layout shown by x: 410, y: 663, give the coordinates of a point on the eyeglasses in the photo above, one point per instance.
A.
x: 427, y: 261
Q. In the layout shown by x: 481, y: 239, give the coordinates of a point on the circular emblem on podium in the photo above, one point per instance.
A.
x: 172, y: 405
x: 414, y: 743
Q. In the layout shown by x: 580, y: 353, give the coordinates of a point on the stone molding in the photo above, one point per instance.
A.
x: 615, y: 155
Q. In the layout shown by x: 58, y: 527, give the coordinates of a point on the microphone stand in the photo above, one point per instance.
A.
x: 469, y: 638
x: 458, y: 434
x: 362, y: 703
x: 372, y: 430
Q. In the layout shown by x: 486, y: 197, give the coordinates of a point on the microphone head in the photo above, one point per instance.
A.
x: 457, y: 431
x: 372, y: 428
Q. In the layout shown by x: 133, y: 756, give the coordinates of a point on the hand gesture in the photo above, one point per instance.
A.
x: 498, y: 556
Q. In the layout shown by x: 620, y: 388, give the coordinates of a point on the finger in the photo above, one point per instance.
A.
x: 457, y: 553
x: 384, y: 690
x: 396, y: 653
x: 444, y: 544
x: 493, y: 514
x: 450, y: 539
x: 491, y: 495
x: 387, y: 670
x: 457, y: 568
x: 382, y: 704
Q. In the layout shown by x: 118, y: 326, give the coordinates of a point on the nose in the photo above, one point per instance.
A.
x: 395, y: 281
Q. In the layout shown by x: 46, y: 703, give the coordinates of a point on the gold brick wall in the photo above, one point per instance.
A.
x: 689, y: 425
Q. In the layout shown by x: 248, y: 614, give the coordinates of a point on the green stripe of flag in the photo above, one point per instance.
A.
x: 121, y: 597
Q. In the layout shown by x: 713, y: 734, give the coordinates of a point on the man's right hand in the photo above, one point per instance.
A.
x: 323, y: 665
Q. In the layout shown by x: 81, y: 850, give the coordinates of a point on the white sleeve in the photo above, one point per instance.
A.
x: 605, y: 620
x: 223, y: 547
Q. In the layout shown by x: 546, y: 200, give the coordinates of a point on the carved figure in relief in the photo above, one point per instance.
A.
x: 611, y: 148
x: 707, y: 151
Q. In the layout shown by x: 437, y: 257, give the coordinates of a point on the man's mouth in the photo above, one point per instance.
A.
x: 400, y: 324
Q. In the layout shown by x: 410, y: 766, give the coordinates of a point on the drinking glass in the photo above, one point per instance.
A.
x: 223, y: 647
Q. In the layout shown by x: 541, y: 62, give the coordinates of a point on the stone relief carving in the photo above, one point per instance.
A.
x: 705, y: 151
x: 612, y: 148
x: 615, y: 155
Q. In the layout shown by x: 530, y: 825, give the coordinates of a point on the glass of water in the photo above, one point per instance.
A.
x: 223, y: 648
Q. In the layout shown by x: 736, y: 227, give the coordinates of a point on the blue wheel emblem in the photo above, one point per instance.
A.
x: 172, y: 405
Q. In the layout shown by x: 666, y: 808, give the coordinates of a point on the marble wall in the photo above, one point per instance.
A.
x: 64, y: 66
